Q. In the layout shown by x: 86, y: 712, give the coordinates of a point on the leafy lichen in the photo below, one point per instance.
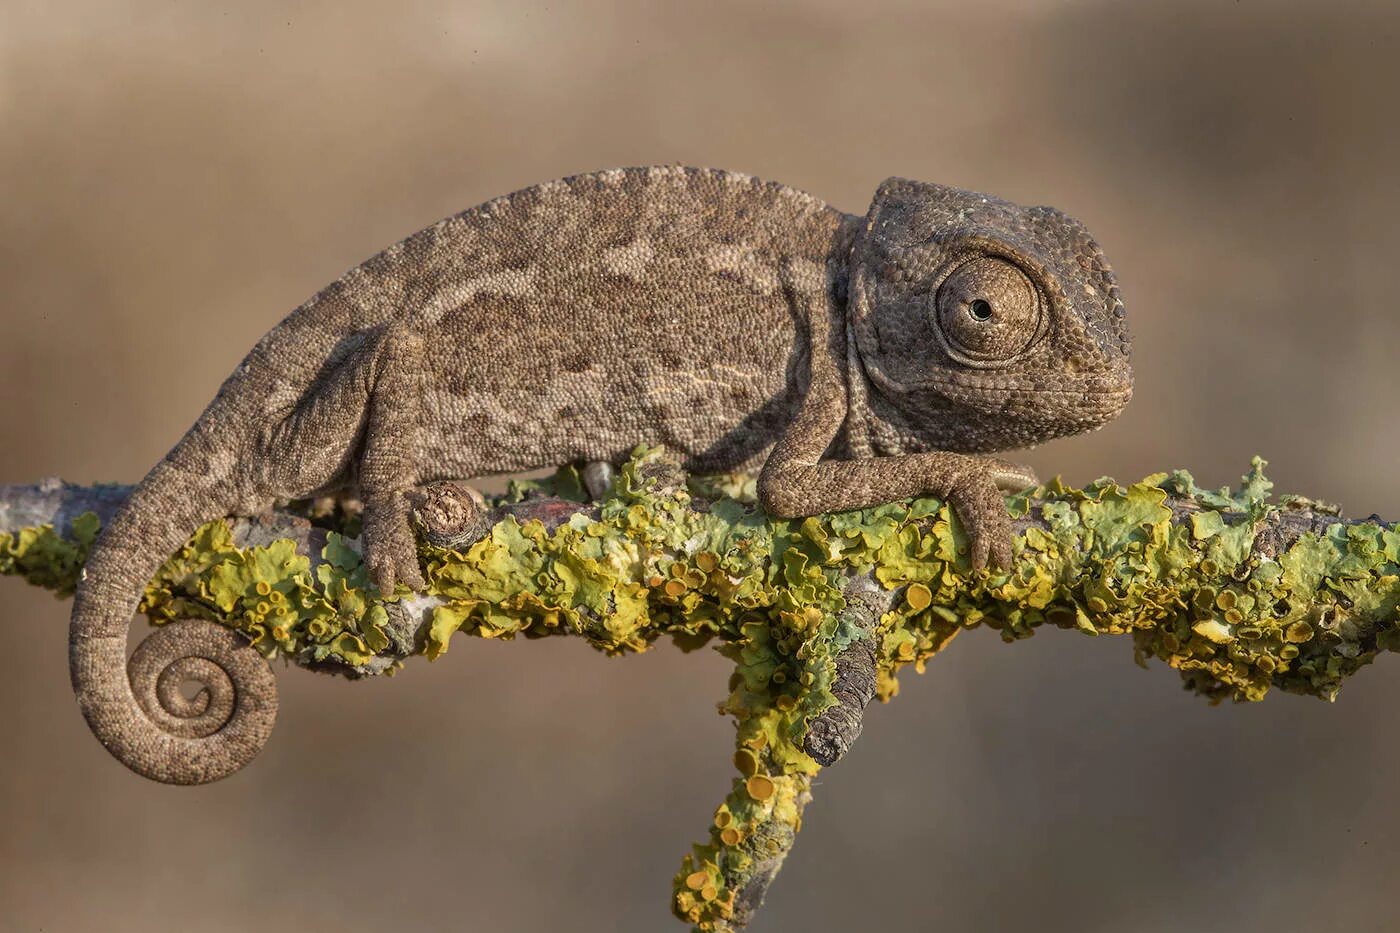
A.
x: 1187, y: 572
x: 41, y: 556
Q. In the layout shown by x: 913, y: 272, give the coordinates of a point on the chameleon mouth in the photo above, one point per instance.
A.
x: 1110, y: 387
x: 1100, y: 391
x: 1085, y: 406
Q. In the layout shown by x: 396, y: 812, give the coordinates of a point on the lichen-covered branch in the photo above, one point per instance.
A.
x: 1239, y: 592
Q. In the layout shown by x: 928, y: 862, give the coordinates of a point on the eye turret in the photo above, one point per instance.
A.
x: 989, y: 311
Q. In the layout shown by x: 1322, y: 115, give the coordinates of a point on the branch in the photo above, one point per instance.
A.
x: 1239, y: 592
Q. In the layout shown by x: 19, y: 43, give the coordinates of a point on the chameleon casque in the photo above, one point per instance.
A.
x: 854, y: 359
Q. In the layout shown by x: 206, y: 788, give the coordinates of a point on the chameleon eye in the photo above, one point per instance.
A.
x: 988, y: 311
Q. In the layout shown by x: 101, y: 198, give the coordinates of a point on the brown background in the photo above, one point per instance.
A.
x: 174, y: 177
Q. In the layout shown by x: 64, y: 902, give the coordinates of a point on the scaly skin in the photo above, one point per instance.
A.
x: 857, y: 360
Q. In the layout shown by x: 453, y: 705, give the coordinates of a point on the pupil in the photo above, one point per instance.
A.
x: 980, y: 309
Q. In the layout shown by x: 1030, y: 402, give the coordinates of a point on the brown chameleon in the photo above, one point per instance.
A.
x: 856, y: 360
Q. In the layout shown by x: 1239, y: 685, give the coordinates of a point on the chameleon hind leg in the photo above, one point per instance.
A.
x: 387, y: 470
x: 362, y: 425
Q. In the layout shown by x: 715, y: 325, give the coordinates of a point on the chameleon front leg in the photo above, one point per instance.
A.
x: 387, y: 471
x: 794, y: 484
x: 795, y: 481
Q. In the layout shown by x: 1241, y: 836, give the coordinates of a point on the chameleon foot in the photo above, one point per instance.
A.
x: 390, y: 550
x: 978, y: 499
x: 982, y: 510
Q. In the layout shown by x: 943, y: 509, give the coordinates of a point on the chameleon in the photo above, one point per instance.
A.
x: 850, y: 360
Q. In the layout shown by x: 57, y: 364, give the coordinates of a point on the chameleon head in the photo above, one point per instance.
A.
x: 985, y: 325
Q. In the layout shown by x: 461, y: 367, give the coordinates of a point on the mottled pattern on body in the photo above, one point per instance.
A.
x: 855, y: 360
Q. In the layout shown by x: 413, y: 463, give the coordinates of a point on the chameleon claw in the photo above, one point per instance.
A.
x: 982, y: 511
x: 412, y: 576
x: 381, y: 574
x: 386, y: 573
x: 390, y: 550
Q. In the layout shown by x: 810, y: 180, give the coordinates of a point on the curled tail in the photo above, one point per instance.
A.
x: 138, y: 709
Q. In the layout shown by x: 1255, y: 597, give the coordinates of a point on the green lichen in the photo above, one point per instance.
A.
x: 273, y: 596
x: 696, y: 561
x: 45, y: 558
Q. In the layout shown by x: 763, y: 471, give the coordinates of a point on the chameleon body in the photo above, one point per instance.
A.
x: 854, y: 359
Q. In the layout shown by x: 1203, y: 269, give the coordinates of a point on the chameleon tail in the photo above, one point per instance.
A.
x: 137, y: 708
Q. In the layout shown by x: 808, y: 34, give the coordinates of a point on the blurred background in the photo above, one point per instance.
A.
x: 175, y: 177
